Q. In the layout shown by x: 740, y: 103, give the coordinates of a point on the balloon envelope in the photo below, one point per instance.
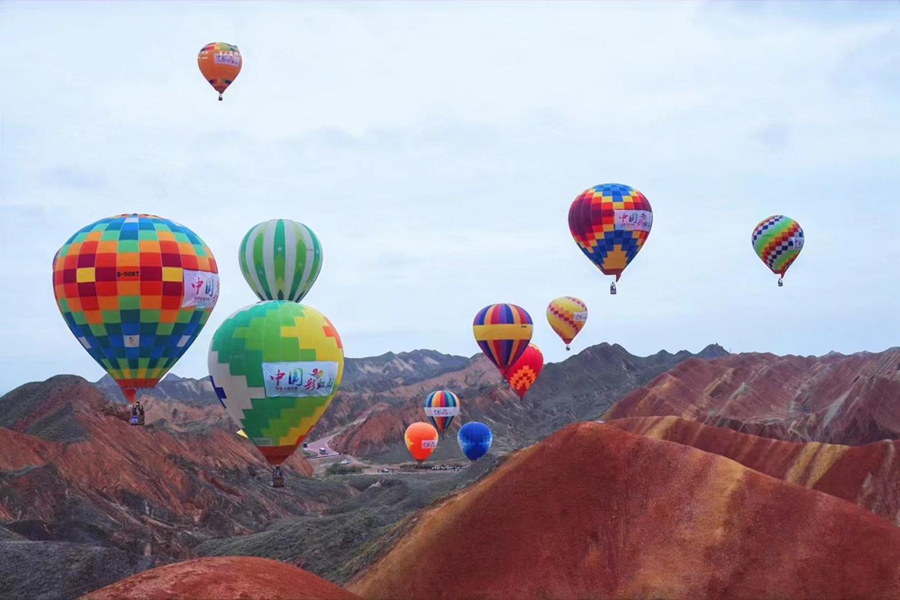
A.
x: 474, y: 439
x: 421, y: 440
x: 502, y: 332
x: 220, y: 64
x: 280, y: 259
x: 440, y: 408
x: 610, y: 223
x: 525, y: 371
x: 136, y: 291
x: 567, y: 316
x: 778, y: 241
x: 276, y: 367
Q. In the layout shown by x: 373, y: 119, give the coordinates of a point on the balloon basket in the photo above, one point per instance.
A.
x: 277, y: 479
x: 780, y: 282
x: 612, y: 289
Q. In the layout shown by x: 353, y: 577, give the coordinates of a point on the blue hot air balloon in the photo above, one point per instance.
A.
x: 474, y: 439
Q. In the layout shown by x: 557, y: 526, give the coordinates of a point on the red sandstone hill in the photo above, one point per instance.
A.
x: 866, y: 475
x: 219, y: 578
x: 834, y: 398
x: 73, y: 469
x: 596, y: 512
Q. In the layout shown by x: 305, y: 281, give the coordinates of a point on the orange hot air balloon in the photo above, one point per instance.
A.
x: 421, y: 439
x: 220, y: 64
x: 525, y: 371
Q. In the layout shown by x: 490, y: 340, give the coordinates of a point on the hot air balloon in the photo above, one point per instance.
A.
x: 525, y: 371
x: 280, y: 260
x: 440, y: 408
x: 778, y: 241
x: 276, y: 367
x: 421, y: 440
x: 567, y: 316
x: 502, y: 332
x: 610, y: 223
x: 220, y: 64
x: 474, y: 440
x: 136, y: 290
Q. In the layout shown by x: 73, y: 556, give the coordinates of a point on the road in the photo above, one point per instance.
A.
x: 321, y: 463
x: 314, y: 445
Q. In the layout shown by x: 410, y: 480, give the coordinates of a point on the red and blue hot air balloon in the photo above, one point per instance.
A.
x: 502, y: 332
x: 610, y: 223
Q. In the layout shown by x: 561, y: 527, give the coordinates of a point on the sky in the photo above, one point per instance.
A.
x: 435, y: 149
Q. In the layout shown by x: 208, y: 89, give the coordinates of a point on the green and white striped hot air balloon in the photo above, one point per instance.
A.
x: 281, y: 259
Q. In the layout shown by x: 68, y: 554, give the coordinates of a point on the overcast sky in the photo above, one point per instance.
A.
x: 435, y: 149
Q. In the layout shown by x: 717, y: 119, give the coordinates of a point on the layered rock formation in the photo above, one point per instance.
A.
x: 596, y: 512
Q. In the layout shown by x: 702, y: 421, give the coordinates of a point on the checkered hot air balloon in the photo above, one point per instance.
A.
x: 136, y: 290
x: 280, y: 260
x: 778, y: 241
x: 276, y: 366
x: 502, y: 332
x: 220, y: 64
x: 525, y: 371
x: 440, y: 408
x: 567, y: 316
x: 611, y: 223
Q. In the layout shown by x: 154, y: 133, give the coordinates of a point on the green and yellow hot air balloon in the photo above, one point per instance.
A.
x: 276, y: 367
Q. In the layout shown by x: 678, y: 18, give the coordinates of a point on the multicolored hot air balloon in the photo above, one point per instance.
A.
x: 474, y: 440
x: 220, y: 64
x: 778, y: 241
x: 567, y: 316
x: 440, y: 408
x: 610, y: 223
x: 276, y: 367
x: 525, y: 371
x: 280, y: 260
x: 502, y: 332
x: 421, y: 440
x: 136, y: 290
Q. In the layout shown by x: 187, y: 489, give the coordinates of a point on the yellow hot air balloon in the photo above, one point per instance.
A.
x: 567, y: 316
